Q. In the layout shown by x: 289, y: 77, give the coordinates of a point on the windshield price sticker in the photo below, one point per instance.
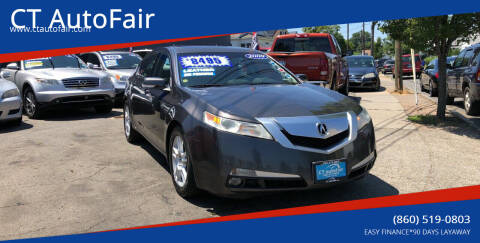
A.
x: 205, y: 61
x: 256, y: 56
x: 112, y: 57
x: 33, y: 63
x: 110, y: 63
x: 194, y: 72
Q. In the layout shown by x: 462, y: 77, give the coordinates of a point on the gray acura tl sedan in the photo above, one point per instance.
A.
x: 51, y: 82
x: 234, y: 122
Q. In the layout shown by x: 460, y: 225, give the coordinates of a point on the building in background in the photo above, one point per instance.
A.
x: 264, y: 39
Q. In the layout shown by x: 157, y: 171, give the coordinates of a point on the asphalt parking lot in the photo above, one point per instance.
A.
x: 74, y: 172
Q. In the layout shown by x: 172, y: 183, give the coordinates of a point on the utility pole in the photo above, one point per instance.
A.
x: 348, y: 37
x: 363, y: 38
x: 372, y: 42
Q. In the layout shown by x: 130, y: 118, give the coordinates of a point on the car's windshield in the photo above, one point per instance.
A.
x: 230, y: 68
x: 303, y: 44
x: 68, y: 61
x: 121, y: 60
x: 360, y: 61
x: 408, y: 59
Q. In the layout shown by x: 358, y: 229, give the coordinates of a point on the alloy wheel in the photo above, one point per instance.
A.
x: 467, y: 100
x: 126, y: 120
x: 179, y: 161
x: 30, y: 103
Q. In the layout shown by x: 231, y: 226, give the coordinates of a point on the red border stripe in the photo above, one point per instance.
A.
x: 12, y: 57
x: 437, y: 196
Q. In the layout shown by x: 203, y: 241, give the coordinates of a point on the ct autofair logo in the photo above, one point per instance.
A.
x: 85, y: 19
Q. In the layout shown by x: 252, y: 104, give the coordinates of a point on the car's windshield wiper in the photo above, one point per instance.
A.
x: 205, y: 85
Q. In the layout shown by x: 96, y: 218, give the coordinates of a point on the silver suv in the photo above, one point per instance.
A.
x: 119, y: 65
x: 59, y: 81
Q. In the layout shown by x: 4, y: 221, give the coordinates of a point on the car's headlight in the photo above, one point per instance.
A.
x: 363, y: 119
x: 117, y: 78
x: 369, y: 75
x: 237, y: 127
x: 47, y: 81
x: 10, y: 93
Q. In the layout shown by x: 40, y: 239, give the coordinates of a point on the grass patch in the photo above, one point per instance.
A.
x: 424, y: 119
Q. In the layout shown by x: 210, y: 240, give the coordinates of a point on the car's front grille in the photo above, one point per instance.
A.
x: 318, y: 143
x: 356, y: 76
x: 80, y: 82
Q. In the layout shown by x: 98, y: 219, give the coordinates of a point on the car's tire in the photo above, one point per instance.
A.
x: 103, y: 109
x: 377, y: 85
x: 131, y: 134
x: 471, y: 107
x: 431, y: 90
x: 393, y: 75
x: 345, y: 89
x: 180, y: 163
x: 30, y: 104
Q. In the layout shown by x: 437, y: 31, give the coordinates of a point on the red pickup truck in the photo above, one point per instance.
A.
x: 316, y: 56
x: 407, y: 69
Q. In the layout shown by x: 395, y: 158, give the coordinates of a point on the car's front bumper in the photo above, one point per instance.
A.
x: 10, y: 108
x: 363, y: 83
x: 217, y: 157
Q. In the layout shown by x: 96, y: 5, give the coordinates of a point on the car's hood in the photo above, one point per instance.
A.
x: 250, y: 102
x: 360, y: 70
x: 63, y: 73
x: 121, y: 72
x: 6, y: 85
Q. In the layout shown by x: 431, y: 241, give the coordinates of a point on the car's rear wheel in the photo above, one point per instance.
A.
x: 130, y: 133
x: 471, y: 107
x: 181, y: 165
x: 30, y: 104
x: 431, y: 90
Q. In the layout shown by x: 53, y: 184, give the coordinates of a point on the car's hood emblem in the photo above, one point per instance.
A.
x: 322, y: 129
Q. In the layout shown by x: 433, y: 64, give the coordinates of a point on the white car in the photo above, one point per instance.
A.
x: 10, y: 102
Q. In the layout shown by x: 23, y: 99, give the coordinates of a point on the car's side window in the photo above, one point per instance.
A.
x: 337, y: 46
x: 468, y: 58
x: 147, y: 66
x: 476, y: 57
x: 459, y: 60
x: 162, y: 69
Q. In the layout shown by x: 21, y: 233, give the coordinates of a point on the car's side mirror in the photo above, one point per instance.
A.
x: 302, y: 77
x: 13, y: 66
x: 92, y: 66
x: 154, y: 82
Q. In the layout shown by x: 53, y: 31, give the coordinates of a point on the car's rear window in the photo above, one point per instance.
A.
x: 303, y: 44
x: 408, y: 59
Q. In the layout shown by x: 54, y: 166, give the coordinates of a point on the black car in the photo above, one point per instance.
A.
x: 388, y: 66
x: 463, y: 79
x: 233, y: 121
x: 363, y: 73
x: 429, y: 76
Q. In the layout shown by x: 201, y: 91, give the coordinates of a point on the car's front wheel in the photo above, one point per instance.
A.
x: 30, y: 104
x: 130, y: 133
x: 181, y: 166
x: 431, y: 90
x: 471, y: 107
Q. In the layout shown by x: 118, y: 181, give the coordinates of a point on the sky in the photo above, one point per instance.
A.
x: 354, y: 27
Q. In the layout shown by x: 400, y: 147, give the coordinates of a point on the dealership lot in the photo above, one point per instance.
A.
x: 74, y: 172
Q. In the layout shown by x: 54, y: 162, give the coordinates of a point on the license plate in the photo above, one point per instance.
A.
x: 330, y: 171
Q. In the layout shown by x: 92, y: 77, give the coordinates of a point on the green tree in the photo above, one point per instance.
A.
x: 438, y: 33
x: 378, y: 48
x: 356, y: 40
x: 331, y: 29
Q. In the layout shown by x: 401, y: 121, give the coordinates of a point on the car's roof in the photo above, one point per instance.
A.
x: 358, y: 56
x: 193, y: 49
x: 113, y: 52
x: 303, y: 35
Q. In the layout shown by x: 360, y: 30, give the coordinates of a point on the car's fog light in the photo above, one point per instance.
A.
x: 235, y: 181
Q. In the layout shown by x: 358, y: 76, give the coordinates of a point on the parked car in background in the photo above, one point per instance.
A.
x: 212, y: 109
x: 142, y: 52
x: 316, y: 56
x: 363, y: 73
x: 429, y: 76
x: 379, y: 63
x: 388, y: 66
x: 463, y: 79
x: 51, y: 82
x: 10, y: 102
x: 407, y: 69
x: 120, y: 65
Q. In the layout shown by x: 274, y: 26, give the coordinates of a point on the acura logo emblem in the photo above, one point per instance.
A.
x: 322, y: 129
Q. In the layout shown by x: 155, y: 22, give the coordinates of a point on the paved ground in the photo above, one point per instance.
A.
x: 74, y: 172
